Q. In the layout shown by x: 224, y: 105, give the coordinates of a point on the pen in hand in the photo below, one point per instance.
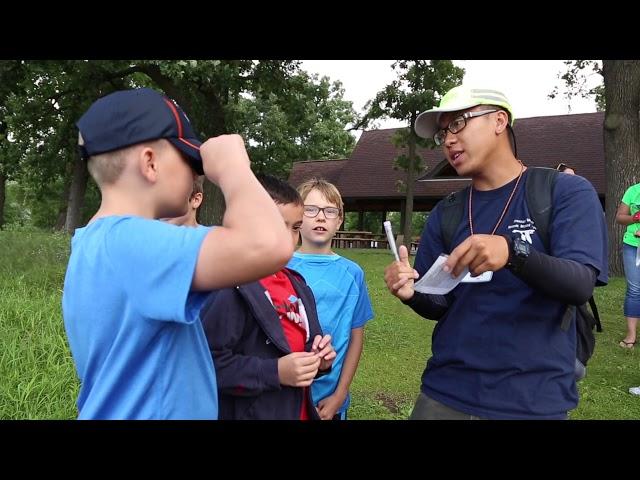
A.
x: 392, y: 241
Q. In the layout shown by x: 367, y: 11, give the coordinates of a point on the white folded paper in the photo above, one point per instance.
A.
x: 436, y: 281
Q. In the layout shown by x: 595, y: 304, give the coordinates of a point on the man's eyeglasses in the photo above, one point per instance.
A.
x: 457, y: 124
x: 312, y: 211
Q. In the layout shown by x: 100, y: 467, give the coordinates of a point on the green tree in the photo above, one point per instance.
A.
x: 42, y: 117
x: 419, y: 86
x: 621, y: 143
x: 307, y: 121
x: 11, y: 76
x: 210, y: 91
x: 373, y: 223
x: 283, y: 114
x: 619, y: 96
x: 576, y: 82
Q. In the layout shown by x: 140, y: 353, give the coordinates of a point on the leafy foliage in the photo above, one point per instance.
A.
x: 419, y: 86
x: 576, y: 82
x: 284, y: 115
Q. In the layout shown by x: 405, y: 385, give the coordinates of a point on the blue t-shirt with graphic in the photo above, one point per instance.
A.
x: 499, y: 351
x: 342, y: 302
x: 132, y: 323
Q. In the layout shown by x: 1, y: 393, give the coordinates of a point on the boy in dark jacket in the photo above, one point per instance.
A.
x: 265, y: 338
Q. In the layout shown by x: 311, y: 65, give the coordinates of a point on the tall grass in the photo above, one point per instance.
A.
x: 37, y: 372
x: 38, y: 378
x: 398, y: 343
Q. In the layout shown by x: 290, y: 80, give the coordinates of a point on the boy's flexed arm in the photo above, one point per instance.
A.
x: 253, y: 241
x: 328, y: 406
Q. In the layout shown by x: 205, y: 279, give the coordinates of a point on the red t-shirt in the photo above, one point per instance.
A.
x: 285, y: 301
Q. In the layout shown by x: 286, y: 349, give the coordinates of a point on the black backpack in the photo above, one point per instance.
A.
x: 539, y: 193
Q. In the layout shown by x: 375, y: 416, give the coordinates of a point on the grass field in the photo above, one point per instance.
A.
x: 39, y: 380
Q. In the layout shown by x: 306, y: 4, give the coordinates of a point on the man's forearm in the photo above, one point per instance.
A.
x: 559, y: 278
x: 428, y: 306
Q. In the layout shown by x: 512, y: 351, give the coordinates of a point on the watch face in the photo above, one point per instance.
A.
x: 521, y: 248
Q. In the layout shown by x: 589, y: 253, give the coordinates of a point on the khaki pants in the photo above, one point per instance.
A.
x: 426, y: 408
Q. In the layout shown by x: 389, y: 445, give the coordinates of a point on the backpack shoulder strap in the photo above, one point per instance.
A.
x: 539, y: 193
x: 596, y: 315
x: 451, y: 215
x: 567, y: 318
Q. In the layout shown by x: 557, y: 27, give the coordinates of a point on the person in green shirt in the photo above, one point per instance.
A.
x: 628, y: 214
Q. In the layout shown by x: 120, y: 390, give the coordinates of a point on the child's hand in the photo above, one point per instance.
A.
x: 298, y: 369
x: 327, y: 407
x: 222, y: 155
x: 325, y: 351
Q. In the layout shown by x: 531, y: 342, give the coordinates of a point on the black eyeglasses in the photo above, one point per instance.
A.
x: 312, y: 211
x: 457, y: 124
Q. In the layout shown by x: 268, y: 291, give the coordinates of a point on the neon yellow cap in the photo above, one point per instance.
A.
x: 458, y: 98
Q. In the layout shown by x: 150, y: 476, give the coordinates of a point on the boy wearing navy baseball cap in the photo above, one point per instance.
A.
x: 134, y: 285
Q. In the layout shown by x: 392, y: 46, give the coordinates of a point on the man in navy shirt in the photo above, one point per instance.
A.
x: 498, y: 349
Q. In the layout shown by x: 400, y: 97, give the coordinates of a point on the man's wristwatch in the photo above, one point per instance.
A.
x: 518, y: 253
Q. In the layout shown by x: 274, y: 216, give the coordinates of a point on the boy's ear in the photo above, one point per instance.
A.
x: 196, y: 200
x: 148, y: 164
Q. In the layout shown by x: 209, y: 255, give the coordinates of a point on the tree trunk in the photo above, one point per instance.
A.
x: 361, y: 220
x: 76, y: 195
x: 212, y: 209
x: 213, y: 206
x: 64, y: 202
x: 408, y: 209
x: 3, y: 189
x: 403, y: 211
x: 621, y: 145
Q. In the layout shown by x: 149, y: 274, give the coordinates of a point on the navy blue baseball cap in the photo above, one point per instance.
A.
x: 129, y: 117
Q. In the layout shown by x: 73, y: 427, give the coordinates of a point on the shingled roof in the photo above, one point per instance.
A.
x: 575, y: 139
x: 327, y: 169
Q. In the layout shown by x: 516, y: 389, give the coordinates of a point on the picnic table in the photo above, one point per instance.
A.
x: 414, y: 247
x: 359, y: 239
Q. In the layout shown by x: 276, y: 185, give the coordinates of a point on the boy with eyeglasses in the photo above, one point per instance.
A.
x: 265, y: 338
x: 340, y: 290
x: 498, y: 349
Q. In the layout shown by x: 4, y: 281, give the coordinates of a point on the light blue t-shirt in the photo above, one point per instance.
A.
x: 133, y: 326
x: 343, y: 304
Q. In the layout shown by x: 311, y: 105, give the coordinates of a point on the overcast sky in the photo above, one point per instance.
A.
x: 526, y: 83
